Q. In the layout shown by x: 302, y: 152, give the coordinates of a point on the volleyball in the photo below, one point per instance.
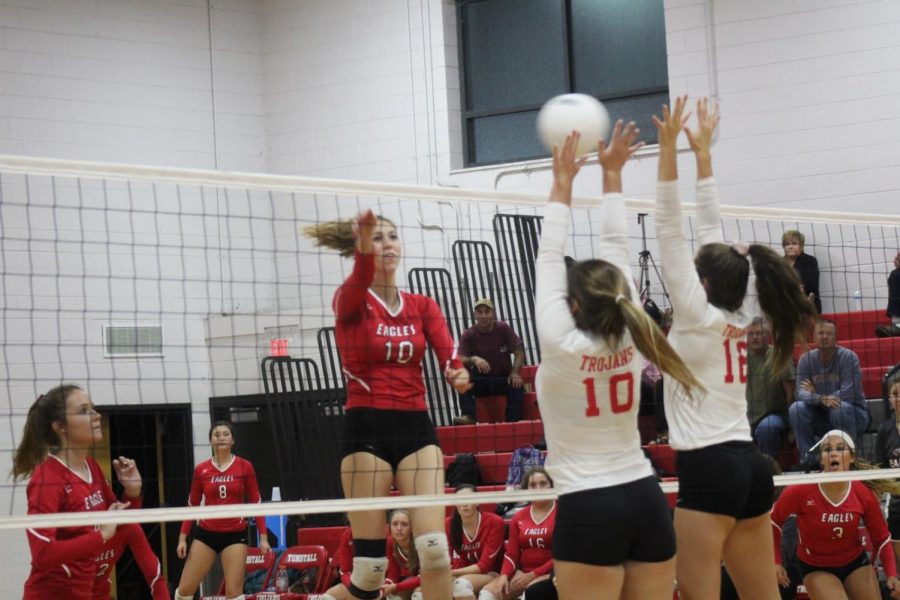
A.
x: 561, y: 114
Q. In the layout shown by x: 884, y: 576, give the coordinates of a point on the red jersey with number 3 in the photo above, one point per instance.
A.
x: 381, y: 350
x: 530, y: 546
x: 829, y: 532
x: 130, y: 535
x: 485, y: 549
x: 234, y: 483
x: 63, y: 559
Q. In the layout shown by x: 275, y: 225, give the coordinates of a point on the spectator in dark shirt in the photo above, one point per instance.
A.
x: 768, y: 396
x: 485, y: 350
x: 806, y: 265
x: 893, y: 307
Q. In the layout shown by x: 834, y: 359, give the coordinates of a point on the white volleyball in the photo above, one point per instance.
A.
x: 583, y: 113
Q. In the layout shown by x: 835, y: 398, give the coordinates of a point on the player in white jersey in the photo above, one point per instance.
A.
x: 613, y: 535
x: 725, y: 484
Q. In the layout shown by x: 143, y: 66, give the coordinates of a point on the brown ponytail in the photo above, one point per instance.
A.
x: 38, y: 435
x: 337, y: 235
x: 781, y: 298
x: 605, y: 308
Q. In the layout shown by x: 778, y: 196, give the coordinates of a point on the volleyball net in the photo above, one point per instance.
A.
x: 178, y: 298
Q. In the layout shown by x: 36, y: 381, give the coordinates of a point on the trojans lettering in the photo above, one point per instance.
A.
x: 395, y: 330
x: 607, y: 362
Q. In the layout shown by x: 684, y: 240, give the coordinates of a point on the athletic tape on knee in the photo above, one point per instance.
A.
x: 462, y: 588
x: 367, y: 576
x: 178, y: 596
x: 486, y: 595
x: 416, y: 596
x: 433, y: 551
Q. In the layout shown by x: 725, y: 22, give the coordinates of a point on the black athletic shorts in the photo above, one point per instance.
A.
x: 542, y: 590
x: 219, y: 540
x: 391, y: 435
x: 732, y: 478
x: 841, y: 573
x: 608, y: 526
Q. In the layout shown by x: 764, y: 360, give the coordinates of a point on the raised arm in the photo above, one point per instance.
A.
x: 709, y: 218
x: 685, y: 290
x: 350, y: 299
x: 612, y: 243
x: 554, y: 319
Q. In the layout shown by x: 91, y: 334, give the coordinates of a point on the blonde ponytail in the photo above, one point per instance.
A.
x: 652, y: 343
x: 335, y: 235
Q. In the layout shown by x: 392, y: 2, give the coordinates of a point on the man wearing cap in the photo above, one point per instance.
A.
x: 485, y: 350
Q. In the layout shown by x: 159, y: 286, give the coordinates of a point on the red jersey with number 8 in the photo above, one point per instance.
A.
x: 381, y: 350
x: 234, y: 483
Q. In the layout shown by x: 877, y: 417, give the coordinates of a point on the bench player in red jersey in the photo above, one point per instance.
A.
x: 222, y: 479
x: 476, y: 541
x: 61, y: 428
x: 381, y: 334
x: 529, y: 551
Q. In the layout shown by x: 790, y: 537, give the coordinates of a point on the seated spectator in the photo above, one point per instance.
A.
x: 829, y: 392
x: 768, y: 396
x: 343, y: 557
x: 484, y: 349
x: 529, y: 552
x: 893, y: 306
x: 402, y: 576
x: 887, y: 451
x: 476, y: 547
x: 806, y: 265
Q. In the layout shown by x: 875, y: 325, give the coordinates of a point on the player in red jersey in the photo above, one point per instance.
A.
x: 529, y: 552
x: 476, y: 541
x: 223, y: 479
x: 403, y: 561
x: 381, y: 335
x: 130, y: 535
x: 832, y: 557
x: 343, y: 556
x: 61, y: 428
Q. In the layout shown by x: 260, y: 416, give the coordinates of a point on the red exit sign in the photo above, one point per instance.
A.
x: 279, y: 347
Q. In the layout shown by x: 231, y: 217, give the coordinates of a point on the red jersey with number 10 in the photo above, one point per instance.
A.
x: 381, y: 350
x: 530, y: 547
x: 235, y: 483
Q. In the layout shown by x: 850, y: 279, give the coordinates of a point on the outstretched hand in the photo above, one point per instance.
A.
x: 671, y: 123
x: 364, y: 230
x: 614, y: 155
x: 565, y: 168
x: 700, y: 138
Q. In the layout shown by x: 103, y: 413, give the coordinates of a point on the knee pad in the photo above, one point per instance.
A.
x: 462, y: 588
x: 416, y: 596
x: 178, y: 596
x: 486, y: 595
x: 433, y: 551
x: 367, y: 576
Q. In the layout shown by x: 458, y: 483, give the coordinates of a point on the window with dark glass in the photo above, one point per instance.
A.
x: 517, y: 54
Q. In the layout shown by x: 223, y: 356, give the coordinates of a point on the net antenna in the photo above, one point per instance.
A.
x: 645, y: 260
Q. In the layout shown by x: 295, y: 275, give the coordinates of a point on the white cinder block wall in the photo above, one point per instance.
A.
x: 369, y: 90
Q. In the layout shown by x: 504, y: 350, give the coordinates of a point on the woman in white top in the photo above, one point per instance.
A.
x: 613, y: 535
x: 725, y: 484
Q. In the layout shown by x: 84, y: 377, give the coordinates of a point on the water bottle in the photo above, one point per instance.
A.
x: 281, y: 581
x: 857, y: 300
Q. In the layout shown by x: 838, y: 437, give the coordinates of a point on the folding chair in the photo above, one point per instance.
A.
x: 301, y: 558
x: 256, y: 561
